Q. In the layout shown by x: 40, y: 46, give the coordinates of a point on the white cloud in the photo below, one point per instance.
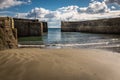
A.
x: 68, y: 9
x: 69, y: 12
x: 9, y: 3
x: 3, y: 12
x: 38, y: 12
x: 113, y: 4
x: 112, y: 1
x: 29, y: 1
x: 97, y: 7
x: 113, y: 7
x: 95, y: 10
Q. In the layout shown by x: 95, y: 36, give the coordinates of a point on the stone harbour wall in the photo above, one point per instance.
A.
x: 12, y: 28
x: 45, y: 27
x: 28, y: 27
x: 109, y: 26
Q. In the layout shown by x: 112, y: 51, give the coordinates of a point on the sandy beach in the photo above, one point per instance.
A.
x: 59, y: 64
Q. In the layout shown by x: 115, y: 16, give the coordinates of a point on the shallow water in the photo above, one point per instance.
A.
x: 57, y: 39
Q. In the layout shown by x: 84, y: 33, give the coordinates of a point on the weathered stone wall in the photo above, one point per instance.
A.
x: 6, y: 22
x: 26, y: 20
x: 36, y: 29
x: 69, y: 26
x: 111, y: 25
x: 27, y: 27
x: 45, y: 27
x: 8, y: 34
x: 8, y: 39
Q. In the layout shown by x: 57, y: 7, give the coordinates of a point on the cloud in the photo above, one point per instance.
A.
x: 113, y: 7
x: 95, y: 10
x: 29, y: 1
x: 3, y: 12
x: 6, y: 13
x: 38, y: 12
x: 112, y: 1
x: 68, y: 9
x: 9, y: 3
x: 97, y: 7
x: 69, y: 12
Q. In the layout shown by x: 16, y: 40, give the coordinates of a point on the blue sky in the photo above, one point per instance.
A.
x: 57, y: 10
x: 54, y: 4
x: 27, y: 5
x: 47, y: 4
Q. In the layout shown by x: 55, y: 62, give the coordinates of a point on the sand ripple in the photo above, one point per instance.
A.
x: 59, y: 64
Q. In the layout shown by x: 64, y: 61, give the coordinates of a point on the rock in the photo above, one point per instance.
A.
x: 7, y: 38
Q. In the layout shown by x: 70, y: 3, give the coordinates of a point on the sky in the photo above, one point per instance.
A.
x: 54, y: 11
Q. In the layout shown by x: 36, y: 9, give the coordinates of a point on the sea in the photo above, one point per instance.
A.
x: 57, y: 39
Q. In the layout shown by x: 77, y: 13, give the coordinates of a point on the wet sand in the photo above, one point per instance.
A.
x: 59, y: 64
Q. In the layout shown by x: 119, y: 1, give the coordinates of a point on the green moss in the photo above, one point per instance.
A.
x: 1, y: 35
x: 30, y: 39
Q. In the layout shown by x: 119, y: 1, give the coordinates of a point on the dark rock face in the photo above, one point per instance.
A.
x: 27, y: 27
x: 45, y: 27
x: 8, y: 34
x: 8, y: 39
x: 111, y: 25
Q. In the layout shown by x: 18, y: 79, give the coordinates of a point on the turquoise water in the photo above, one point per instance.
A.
x: 57, y: 39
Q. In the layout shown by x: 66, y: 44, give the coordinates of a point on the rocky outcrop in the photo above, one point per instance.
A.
x: 8, y: 38
x: 111, y: 25
x: 8, y: 34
